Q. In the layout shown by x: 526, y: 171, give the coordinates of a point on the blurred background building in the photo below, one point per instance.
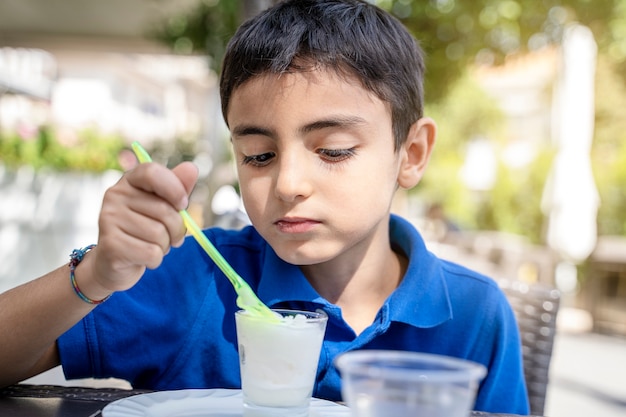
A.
x: 77, y: 64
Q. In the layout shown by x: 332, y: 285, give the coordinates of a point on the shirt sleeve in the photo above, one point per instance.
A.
x: 504, y: 388
x: 174, y: 329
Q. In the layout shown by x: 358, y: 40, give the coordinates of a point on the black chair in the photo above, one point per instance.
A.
x: 536, y: 307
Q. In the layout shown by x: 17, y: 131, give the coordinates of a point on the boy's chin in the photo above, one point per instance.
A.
x: 300, y: 256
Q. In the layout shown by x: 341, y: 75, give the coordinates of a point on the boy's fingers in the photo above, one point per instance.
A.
x: 173, y: 186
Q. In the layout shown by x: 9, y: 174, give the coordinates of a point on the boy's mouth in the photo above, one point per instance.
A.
x: 295, y: 225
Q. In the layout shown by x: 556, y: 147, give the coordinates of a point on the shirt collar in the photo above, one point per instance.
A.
x: 421, y: 299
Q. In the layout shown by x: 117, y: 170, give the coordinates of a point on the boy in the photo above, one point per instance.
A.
x: 323, y: 100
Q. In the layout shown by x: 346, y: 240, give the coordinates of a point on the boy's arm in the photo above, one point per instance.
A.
x: 32, y: 316
x: 138, y: 223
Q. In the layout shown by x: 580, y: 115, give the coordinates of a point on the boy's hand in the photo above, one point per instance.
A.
x: 139, y: 222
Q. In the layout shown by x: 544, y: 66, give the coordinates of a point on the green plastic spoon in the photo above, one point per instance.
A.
x: 246, y: 298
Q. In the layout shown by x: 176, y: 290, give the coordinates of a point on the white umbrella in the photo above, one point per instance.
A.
x: 570, y: 198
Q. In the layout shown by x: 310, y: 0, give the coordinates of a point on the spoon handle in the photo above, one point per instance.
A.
x: 213, y: 253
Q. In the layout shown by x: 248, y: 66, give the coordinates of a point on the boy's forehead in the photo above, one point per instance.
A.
x: 303, y: 97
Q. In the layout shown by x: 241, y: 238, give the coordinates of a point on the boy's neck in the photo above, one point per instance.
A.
x: 360, y: 289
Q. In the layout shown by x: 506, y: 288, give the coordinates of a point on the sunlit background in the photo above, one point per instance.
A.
x: 527, y: 182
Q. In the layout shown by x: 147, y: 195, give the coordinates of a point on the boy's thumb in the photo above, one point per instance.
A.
x: 187, y: 173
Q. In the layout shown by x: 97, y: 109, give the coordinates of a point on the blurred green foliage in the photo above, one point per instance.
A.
x: 91, y: 151
x: 455, y: 34
x: 513, y: 203
x: 465, y: 113
x: 205, y: 30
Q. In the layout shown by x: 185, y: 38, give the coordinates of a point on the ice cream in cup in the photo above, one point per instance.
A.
x: 278, y: 361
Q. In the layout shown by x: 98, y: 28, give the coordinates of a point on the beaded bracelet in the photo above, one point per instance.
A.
x: 76, y: 257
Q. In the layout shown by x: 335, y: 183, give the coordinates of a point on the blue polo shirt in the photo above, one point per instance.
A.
x: 175, y: 328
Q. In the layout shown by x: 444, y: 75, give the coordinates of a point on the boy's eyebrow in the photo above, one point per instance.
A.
x: 336, y: 121
x: 245, y: 130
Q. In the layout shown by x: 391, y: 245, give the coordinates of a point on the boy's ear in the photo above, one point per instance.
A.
x: 416, y: 151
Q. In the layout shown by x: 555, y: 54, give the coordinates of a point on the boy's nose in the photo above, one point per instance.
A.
x: 292, y: 181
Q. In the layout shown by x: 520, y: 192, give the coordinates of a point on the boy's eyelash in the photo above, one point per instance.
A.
x: 258, y: 160
x: 330, y: 155
x: 337, y: 155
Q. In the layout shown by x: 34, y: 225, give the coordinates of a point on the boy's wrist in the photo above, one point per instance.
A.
x: 82, y: 280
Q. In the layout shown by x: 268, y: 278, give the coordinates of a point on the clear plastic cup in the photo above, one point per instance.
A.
x: 278, y: 361
x: 383, y: 383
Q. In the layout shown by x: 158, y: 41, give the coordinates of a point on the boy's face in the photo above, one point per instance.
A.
x: 316, y: 164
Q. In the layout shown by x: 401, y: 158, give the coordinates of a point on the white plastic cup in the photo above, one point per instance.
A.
x: 278, y: 361
x: 383, y: 383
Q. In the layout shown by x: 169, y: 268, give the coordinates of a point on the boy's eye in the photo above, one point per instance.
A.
x: 330, y: 155
x: 258, y: 160
x: 336, y: 155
